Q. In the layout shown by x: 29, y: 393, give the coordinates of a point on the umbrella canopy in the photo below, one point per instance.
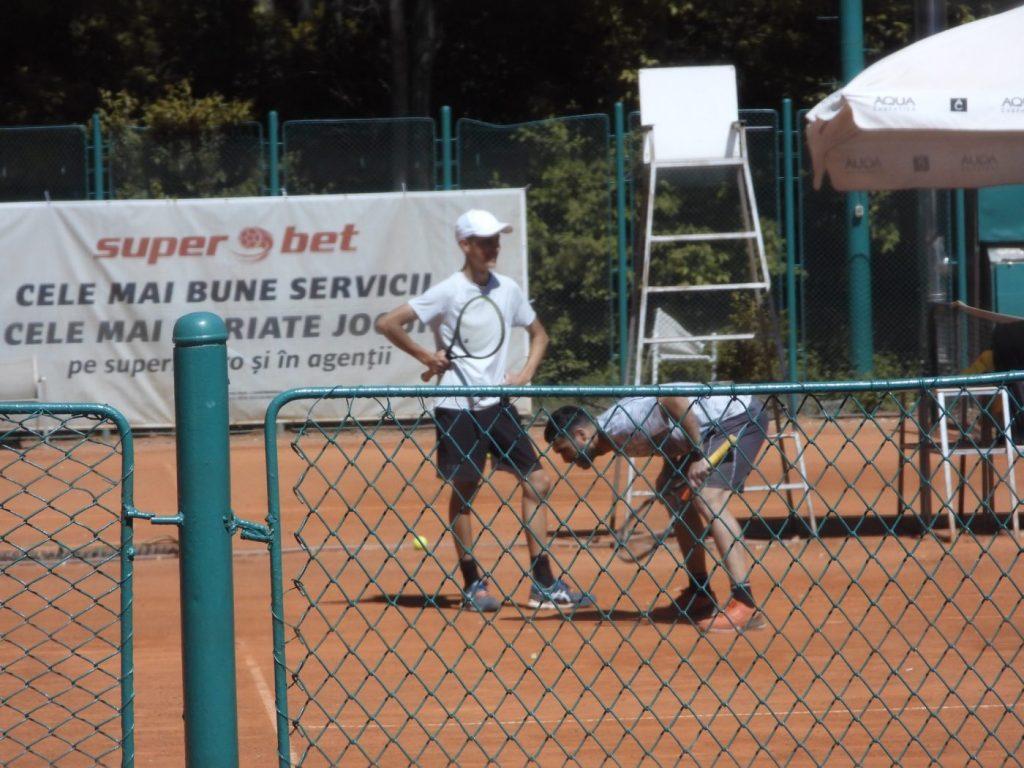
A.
x: 945, y: 112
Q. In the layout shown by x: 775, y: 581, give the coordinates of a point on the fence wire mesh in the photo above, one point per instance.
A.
x: 567, y: 165
x: 710, y: 200
x: 884, y: 639
x: 223, y: 162
x: 39, y: 162
x: 910, y: 270
x: 350, y: 156
x: 65, y: 587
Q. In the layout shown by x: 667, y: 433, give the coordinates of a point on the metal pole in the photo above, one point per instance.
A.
x: 960, y: 200
x: 204, y: 506
x: 275, y: 164
x: 932, y: 247
x: 446, y: 147
x: 790, y: 232
x: 97, y: 156
x: 858, y: 239
x: 620, y: 204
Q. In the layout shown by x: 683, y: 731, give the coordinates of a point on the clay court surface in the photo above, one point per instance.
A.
x: 882, y: 649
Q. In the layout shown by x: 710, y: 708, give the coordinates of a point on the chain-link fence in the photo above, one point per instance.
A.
x: 566, y: 164
x: 66, y: 690
x: 892, y: 635
x: 350, y: 156
x: 711, y: 201
x: 39, y: 163
x: 905, y: 277
x: 226, y: 162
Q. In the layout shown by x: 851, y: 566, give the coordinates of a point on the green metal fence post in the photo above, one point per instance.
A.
x: 858, y: 241
x: 446, y: 147
x: 97, y: 156
x: 620, y: 205
x: 790, y: 232
x: 204, y: 506
x: 274, y: 156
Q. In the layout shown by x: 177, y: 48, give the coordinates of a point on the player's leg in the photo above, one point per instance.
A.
x: 460, y: 457
x: 536, y: 486
x: 740, y: 613
x: 512, y: 450
x: 696, y: 600
x: 725, y: 530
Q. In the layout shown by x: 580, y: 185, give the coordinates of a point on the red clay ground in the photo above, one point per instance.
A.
x: 879, y: 649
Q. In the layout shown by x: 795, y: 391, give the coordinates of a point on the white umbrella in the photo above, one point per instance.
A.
x: 945, y: 112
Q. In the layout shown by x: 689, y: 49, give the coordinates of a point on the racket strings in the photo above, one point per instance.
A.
x: 479, y: 331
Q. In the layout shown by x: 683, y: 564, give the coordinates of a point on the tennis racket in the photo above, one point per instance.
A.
x: 479, y: 332
x: 647, y: 526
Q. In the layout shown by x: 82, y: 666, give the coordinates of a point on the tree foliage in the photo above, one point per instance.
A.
x: 181, y: 145
x: 503, y: 62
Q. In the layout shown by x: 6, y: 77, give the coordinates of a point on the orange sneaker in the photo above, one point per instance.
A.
x: 694, y: 606
x: 735, y: 617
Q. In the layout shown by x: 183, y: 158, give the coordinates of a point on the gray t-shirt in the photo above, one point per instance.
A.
x: 639, y: 426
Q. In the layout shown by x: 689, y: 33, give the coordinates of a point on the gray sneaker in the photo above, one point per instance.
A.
x: 558, y: 595
x: 477, y: 598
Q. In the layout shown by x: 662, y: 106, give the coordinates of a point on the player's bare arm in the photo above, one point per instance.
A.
x: 538, y: 347
x: 392, y: 326
x: 680, y: 410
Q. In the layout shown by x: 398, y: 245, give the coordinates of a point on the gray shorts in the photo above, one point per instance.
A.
x: 750, y: 429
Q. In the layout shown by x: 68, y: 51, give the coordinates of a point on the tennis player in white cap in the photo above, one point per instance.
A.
x: 470, y: 429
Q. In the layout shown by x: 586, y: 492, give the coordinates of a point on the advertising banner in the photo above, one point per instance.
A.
x: 91, y: 290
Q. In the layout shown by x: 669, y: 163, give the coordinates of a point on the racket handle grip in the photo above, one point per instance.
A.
x: 716, y: 458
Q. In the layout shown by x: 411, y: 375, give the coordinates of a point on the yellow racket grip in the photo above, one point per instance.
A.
x: 720, y: 452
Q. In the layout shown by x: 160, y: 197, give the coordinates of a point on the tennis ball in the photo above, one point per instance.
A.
x: 420, y: 542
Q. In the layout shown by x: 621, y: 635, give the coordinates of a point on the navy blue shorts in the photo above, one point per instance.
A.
x: 466, y: 438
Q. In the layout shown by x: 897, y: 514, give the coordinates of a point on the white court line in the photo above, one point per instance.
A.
x: 677, y: 715
x: 266, y: 697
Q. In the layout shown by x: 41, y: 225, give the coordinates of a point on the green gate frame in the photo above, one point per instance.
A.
x: 127, y: 549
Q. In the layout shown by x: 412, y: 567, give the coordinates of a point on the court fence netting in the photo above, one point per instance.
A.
x: 893, y: 628
x: 66, y: 674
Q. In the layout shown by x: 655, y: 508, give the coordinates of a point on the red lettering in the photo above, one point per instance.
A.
x: 162, y: 246
x: 191, y: 246
x: 294, y: 242
x: 211, y: 247
x: 139, y: 251
x: 323, y: 242
x: 347, y: 234
x: 107, y: 248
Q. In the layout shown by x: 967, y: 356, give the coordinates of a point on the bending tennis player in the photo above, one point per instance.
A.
x: 685, y: 431
x: 472, y: 313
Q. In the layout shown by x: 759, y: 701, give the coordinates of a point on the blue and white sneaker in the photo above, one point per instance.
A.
x: 477, y: 598
x: 558, y: 595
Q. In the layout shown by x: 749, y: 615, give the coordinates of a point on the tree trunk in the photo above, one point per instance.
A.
x: 425, y: 51
x: 399, y: 59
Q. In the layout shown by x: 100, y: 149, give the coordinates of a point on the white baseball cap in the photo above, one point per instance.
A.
x: 478, y: 223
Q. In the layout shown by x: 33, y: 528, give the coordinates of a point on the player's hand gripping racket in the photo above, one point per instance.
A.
x: 650, y: 523
x: 479, y: 332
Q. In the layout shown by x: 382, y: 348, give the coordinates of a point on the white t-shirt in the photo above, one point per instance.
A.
x: 439, y: 308
x: 639, y: 426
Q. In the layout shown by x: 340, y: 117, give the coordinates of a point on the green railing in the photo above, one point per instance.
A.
x: 43, y: 162
x: 66, y: 671
x: 351, y: 156
x: 879, y: 524
x: 569, y: 164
